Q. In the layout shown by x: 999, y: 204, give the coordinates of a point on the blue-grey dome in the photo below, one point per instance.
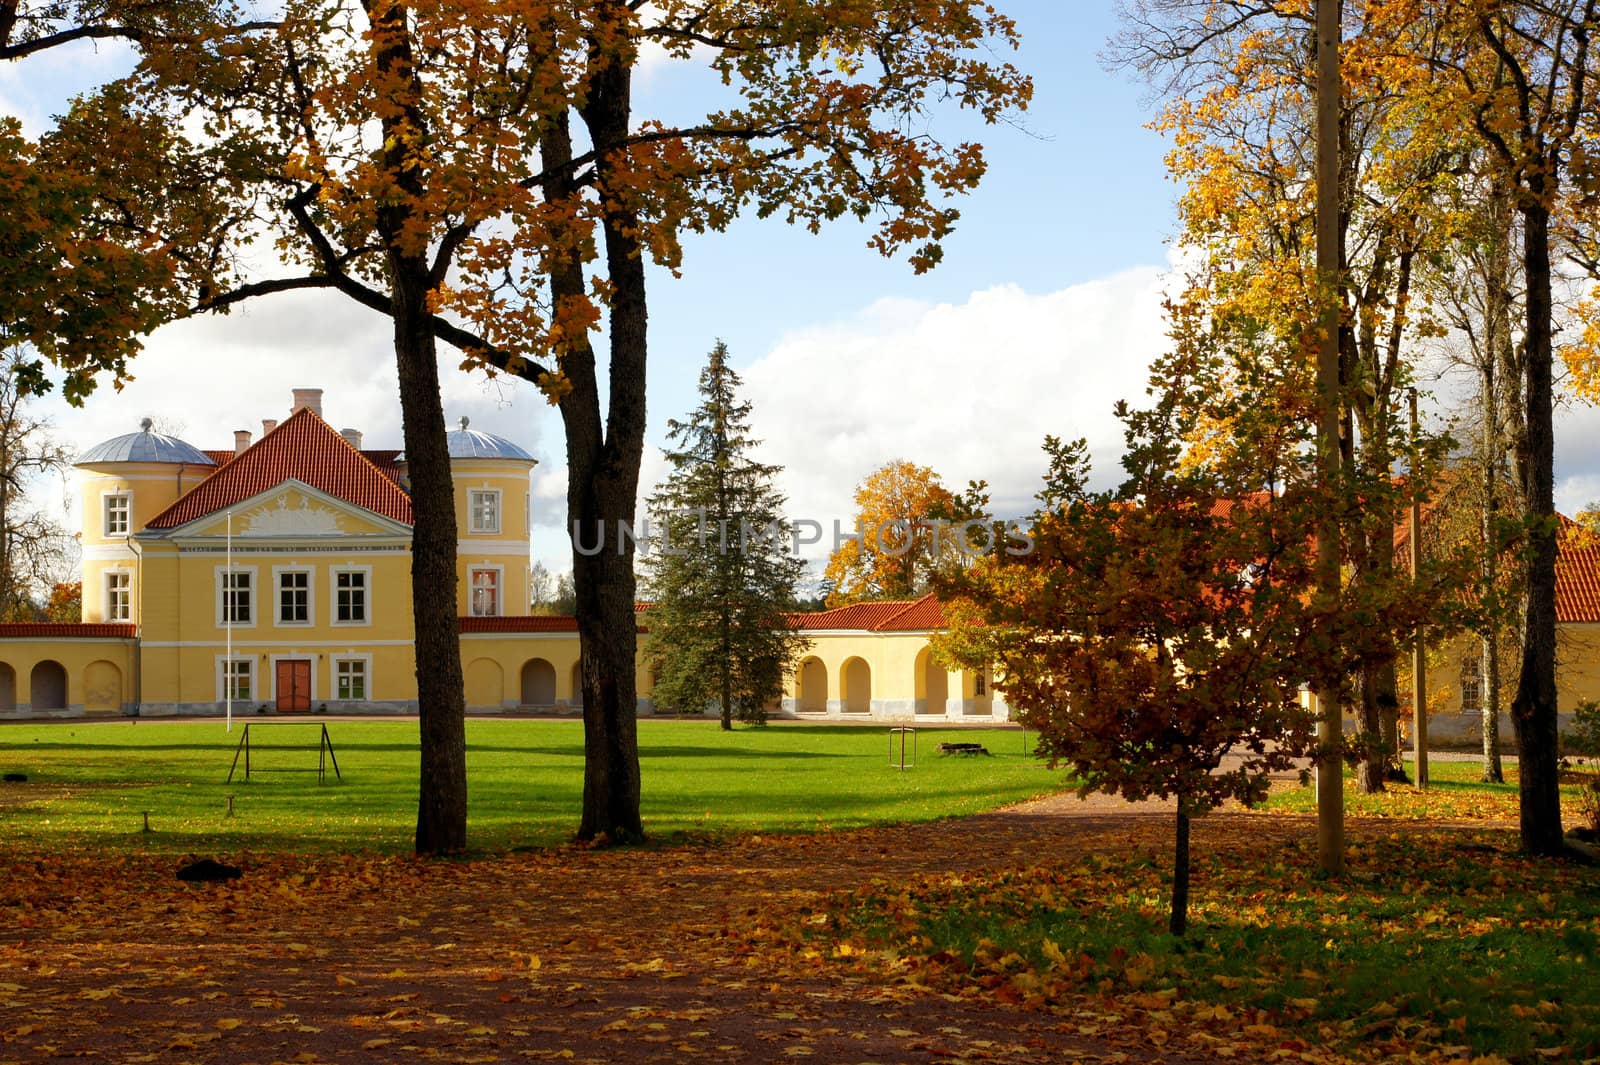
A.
x: 467, y: 443
x: 147, y: 445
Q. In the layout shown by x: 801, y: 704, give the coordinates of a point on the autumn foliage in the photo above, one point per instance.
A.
x: 908, y: 527
x: 490, y: 177
x: 1160, y: 636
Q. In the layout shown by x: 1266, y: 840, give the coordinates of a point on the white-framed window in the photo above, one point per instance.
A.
x: 980, y: 685
x: 119, y: 596
x: 483, y: 510
x: 237, y: 679
x: 118, y: 513
x: 484, y: 583
x: 1471, y: 683
x: 350, y: 679
x: 352, y: 590
x: 236, y: 597
x: 294, y: 595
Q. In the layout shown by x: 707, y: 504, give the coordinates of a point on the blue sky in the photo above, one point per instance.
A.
x: 1045, y: 311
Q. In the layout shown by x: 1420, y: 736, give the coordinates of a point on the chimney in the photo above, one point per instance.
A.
x: 308, y: 397
x: 241, y: 440
x: 267, y: 425
x: 352, y: 435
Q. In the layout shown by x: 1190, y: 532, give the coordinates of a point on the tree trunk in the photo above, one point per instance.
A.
x: 1389, y: 719
x: 603, y: 466
x: 608, y: 637
x: 1497, y: 349
x: 1493, y: 772
x: 1372, y: 769
x: 724, y: 581
x: 727, y: 695
x: 441, y: 702
x: 1330, y: 770
x: 1179, y: 922
x: 1533, y: 709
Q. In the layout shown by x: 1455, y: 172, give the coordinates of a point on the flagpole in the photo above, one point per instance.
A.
x: 229, y: 597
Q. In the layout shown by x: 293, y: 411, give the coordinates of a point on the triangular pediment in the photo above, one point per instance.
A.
x: 292, y: 510
x: 303, y: 449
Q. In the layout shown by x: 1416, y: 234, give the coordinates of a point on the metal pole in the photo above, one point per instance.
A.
x: 1330, y: 725
x: 1419, y: 652
x: 229, y: 596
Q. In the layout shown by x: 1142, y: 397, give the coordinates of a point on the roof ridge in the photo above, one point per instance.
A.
x: 345, y: 440
x: 252, y: 472
x: 902, y: 612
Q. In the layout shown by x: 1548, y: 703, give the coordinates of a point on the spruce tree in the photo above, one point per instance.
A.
x: 722, y: 573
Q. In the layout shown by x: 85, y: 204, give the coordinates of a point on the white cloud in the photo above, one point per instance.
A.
x: 212, y: 375
x: 551, y: 544
x: 38, y: 87
x: 1577, y: 458
x: 970, y: 390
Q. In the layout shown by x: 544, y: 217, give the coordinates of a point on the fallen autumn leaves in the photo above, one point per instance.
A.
x: 588, y: 955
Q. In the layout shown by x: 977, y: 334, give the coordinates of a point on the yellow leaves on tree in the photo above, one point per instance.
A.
x: 897, y: 542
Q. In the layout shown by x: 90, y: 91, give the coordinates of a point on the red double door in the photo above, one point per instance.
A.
x: 294, y: 685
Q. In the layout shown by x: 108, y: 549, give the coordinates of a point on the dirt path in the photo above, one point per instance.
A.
x: 589, y: 956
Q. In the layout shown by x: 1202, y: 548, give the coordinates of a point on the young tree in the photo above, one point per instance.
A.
x: 565, y: 601
x: 1273, y: 133
x: 1480, y: 299
x: 722, y: 577
x: 541, y: 588
x: 1159, y: 637
x: 908, y: 524
x: 1154, y: 630
x: 33, y: 545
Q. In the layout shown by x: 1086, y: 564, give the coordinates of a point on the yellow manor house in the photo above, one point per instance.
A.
x: 275, y: 577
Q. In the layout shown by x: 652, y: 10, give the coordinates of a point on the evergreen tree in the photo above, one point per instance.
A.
x: 722, y: 573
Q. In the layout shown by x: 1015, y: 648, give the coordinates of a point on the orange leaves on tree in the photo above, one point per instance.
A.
x: 897, y: 544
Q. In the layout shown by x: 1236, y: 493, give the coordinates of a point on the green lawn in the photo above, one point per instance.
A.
x: 1439, y: 942
x: 1455, y: 791
x: 89, y: 783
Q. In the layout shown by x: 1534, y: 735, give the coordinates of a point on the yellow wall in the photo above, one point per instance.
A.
x: 505, y: 551
x: 495, y: 666
x: 883, y: 675
x: 151, y: 487
x: 96, y: 676
x: 1577, y: 680
x: 185, y: 635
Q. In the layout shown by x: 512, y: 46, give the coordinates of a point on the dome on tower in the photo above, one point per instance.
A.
x: 146, y: 445
x: 468, y: 443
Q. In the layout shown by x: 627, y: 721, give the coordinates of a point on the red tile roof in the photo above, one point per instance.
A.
x: 387, y: 463
x: 21, y: 630
x: 1577, y: 574
x: 893, y: 615
x: 922, y: 616
x: 522, y: 623
x: 854, y: 616
x: 303, y: 447
x: 221, y: 458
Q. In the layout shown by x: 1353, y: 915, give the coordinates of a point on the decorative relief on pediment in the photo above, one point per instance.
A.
x: 283, y: 518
